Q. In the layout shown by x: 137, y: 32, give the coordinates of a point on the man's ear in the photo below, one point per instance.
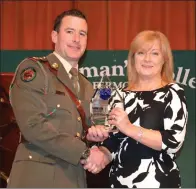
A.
x: 54, y: 36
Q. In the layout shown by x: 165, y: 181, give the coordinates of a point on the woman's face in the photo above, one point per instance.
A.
x: 149, y: 61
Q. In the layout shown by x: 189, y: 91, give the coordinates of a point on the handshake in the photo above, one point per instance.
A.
x: 98, y: 157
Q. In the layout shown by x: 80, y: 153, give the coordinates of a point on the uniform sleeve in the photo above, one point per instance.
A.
x: 33, y: 117
x: 175, y: 120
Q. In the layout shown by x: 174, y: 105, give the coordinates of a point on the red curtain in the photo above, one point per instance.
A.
x: 27, y: 25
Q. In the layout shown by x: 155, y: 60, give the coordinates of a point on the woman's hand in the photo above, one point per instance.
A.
x: 119, y: 118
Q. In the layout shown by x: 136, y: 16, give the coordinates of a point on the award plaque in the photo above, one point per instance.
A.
x: 99, y: 106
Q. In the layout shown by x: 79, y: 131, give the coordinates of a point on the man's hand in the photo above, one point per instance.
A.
x: 97, y: 133
x: 96, y: 161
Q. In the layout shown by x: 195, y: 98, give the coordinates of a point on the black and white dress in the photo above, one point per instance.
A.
x: 136, y: 165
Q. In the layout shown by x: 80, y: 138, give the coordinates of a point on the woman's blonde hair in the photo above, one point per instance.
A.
x: 146, y: 39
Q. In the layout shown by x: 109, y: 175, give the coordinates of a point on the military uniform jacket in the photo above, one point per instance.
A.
x: 49, y: 121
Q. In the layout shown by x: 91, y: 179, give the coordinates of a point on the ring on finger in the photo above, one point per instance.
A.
x: 94, y: 170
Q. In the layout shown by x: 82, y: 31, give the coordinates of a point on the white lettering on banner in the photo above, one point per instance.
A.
x: 98, y: 72
x: 182, y: 75
x: 105, y: 70
x: 183, y: 78
x: 115, y: 84
x: 89, y: 71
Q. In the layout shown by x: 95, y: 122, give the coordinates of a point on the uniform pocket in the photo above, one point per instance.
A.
x: 59, y: 102
x: 59, y: 105
x: 29, y: 174
x: 36, y: 154
x: 61, y: 112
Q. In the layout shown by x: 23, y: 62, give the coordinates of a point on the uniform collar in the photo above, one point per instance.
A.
x: 64, y: 62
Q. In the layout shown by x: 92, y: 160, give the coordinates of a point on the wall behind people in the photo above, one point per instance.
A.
x: 112, y: 24
x: 26, y: 28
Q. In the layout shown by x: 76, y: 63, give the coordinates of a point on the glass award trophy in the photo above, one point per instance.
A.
x: 99, y: 107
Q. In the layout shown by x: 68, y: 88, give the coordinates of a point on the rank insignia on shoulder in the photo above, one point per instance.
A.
x: 39, y: 58
x: 28, y: 74
x: 43, y: 58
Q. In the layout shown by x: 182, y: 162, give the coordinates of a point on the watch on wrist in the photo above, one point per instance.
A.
x: 85, y: 154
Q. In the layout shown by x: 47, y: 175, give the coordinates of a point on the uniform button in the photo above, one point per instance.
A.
x: 2, y: 100
x: 30, y: 157
x: 55, y: 65
x: 58, y: 105
x: 79, y: 118
x: 78, y: 135
x: 79, y: 101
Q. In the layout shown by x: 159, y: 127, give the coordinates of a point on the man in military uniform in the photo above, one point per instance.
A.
x: 42, y: 95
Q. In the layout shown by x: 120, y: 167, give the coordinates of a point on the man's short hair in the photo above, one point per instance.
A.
x: 72, y: 12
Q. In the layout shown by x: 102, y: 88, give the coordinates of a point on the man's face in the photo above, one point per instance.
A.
x: 71, y: 40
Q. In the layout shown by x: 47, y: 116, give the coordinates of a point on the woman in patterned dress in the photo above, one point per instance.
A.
x: 152, y: 126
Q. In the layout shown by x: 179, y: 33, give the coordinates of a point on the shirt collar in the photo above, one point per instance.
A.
x: 65, y: 63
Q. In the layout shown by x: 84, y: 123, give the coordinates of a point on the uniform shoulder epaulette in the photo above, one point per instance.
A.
x: 41, y: 59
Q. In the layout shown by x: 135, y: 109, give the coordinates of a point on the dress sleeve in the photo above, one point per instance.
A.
x: 175, y: 120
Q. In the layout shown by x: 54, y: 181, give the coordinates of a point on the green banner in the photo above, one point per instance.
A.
x: 114, y: 63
